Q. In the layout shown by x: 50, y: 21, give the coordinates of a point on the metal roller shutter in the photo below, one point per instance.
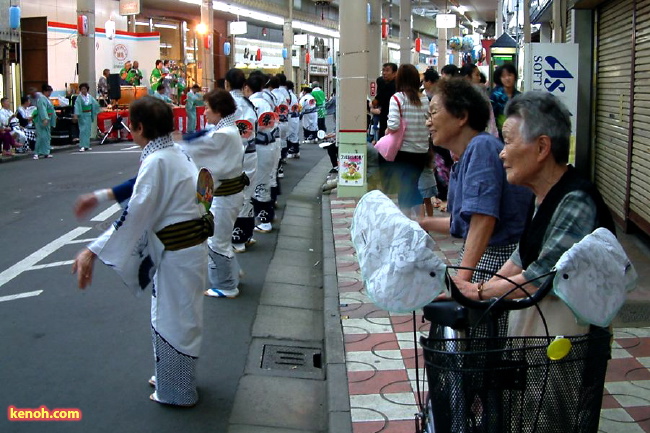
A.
x: 569, y: 23
x: 613, y: 75
x: 640, y: 161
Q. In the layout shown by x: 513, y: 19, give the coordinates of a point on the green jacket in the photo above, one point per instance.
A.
x: 319, y: 96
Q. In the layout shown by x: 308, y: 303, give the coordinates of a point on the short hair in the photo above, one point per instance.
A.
x: 460, y: 97
x: 158, y: 62
x: 256, y: 82
x: 450, y: 70
x: 541, y: 113
x: 220, y: 101
x: 106, y: 70
x: 23, y: 99
x: 46, y: 87
x: 315, y: 84
x: 273, y: 82
x: 153, y: 115
x: 160, y: 88
x: 290, y: 85
x: 509, y: 67
x: 467, y: 70
x: 393, y: 66
x: 236, y: 78
x: 84, y: 85
x: 282, y: 78
x: 431, y: 75
x: 196, y: 86
x: 3, y: 99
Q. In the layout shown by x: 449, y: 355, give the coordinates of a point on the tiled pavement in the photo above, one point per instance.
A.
x: 380, y: 357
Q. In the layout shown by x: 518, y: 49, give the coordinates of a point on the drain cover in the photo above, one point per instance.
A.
x: 291, y: 358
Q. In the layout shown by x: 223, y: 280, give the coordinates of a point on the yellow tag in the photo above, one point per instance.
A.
x: 559, y: 348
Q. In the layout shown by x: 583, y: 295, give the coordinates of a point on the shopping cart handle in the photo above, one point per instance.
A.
x: 501, y: 304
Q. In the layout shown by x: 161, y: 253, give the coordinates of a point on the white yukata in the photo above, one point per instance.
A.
x: 164, y: 193
x: 274, y: 102
x: 264, y: 141
x: 246, y: 120
x: 309, y: 114
x: 293, y: 137
x: 220, y: 151
x: 284, y: 102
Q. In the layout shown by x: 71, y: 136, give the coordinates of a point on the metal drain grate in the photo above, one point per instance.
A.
x: 290, y: 358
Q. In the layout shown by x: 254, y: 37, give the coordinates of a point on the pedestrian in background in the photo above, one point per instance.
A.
x: 319, y: 96
x: 194, y: 99
x: 86, y: 109
x: 44, y: 120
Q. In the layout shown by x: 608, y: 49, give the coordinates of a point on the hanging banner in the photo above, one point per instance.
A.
x: 553, y: 68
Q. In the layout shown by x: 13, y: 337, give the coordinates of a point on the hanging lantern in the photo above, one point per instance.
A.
x: 14, y: 17
x: 258, y: 56
x: 207, y: 41
x: 109, y: 27
x: 226, y: 48
x: 330, y: 60
x: 285, y: 53
x: 418, y: 45
x: 307, y: 58
x: 82, y: 25
x: 432, y: 48
x: 384, y: 28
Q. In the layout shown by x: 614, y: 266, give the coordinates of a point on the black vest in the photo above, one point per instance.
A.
x: 532, y: 238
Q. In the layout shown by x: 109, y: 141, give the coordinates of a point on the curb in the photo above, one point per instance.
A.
x: 338, y: 393
x: 55, y: 149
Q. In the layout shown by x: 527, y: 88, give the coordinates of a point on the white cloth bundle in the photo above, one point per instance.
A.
x: 400, y: 270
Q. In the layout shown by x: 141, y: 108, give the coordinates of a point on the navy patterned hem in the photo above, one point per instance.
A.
x: 175, y: 374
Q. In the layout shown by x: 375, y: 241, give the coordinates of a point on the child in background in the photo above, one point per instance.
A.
x: 428, y: 187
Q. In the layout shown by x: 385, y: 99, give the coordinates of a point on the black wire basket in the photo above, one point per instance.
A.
x: 509, y: 384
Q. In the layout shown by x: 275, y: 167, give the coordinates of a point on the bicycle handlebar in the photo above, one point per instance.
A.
x: 501, y: 303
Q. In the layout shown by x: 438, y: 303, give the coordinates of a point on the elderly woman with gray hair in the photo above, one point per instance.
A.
x: 567, y: 207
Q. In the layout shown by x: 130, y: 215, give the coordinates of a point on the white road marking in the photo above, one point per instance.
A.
x: 132, y: 147
x: 20, y: 295
x: 107, y: 213
x: 51, y: 265
x: 29, y: 261
x: 82, y: 241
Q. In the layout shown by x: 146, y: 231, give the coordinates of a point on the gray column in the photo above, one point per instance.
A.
x: 556, y: 8
x: 405, y: 32
x: 352, y: 89
x: 86, y: 46
x: 287, y: 36
x: 498, y: 31
x: 207, y: 18
x: 582, y: 29
x: 442, y: 48
x: 374, y: 41
x: 130, y: 23
x: 527, y: 35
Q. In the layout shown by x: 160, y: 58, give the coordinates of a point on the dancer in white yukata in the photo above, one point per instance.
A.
x: 309, y: 115
x: 272, y: 83
x: 219, y: 149
x: 162, y: 230
x: 246, y: 120
x: 264, y: 141
x: 284, y: 102
x: 293, y: 138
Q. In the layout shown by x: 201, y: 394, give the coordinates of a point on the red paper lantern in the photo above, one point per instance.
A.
x: 82, y: 25
x: 418, y: 45
x: 307, y: 58
x: 258, y: 56
x: 384, y: 28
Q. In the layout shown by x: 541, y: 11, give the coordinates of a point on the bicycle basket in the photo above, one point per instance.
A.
x: 508, y: 384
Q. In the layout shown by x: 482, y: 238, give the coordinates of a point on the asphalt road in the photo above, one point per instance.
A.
x: 91, y: 350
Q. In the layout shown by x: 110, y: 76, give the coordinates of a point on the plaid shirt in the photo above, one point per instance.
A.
x: 574, y: 218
